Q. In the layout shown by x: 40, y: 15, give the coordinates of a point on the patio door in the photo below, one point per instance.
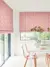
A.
x: 4, y: 47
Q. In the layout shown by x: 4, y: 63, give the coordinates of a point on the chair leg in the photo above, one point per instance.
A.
x: 48, y: 60
x: 25, y: 62
x: 35, y: 63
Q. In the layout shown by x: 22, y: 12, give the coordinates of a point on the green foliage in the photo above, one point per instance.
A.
x: 45, y: 35
x: 2, y: 37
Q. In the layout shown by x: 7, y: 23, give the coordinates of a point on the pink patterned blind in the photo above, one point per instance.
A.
x: 29, y: 20
x: 6, y: 18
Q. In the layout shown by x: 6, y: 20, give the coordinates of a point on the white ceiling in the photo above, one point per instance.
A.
x: 29, y: 5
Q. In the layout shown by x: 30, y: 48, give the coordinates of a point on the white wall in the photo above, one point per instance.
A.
x: 15, y: 33
x: 29, y: 5
x: 15, y: 37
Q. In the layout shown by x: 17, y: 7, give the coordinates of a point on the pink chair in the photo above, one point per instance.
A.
x: 29, y: 55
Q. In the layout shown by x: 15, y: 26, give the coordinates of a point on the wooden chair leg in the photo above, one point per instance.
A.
x: 25, y: 62
x: 47, y: 60
x: 35, y: 62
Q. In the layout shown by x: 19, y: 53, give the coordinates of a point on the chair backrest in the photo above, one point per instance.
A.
x: 25, y: 50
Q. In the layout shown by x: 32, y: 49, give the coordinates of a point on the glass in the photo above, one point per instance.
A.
x: 6, y: 46
x: 29, y: 35
x: 1, y: 49
x: 35, y: 35
x: 42, y: 39
x: 4, y: 50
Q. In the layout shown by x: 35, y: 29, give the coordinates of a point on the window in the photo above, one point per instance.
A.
x: 41, y: 39
x: 35, y: 36
x: 4, y: 47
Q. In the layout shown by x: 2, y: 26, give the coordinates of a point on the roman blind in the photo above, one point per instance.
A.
x: 6, y: 18
x: 29, y: 20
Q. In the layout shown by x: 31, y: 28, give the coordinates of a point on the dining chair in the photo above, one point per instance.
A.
x: 29, y: 55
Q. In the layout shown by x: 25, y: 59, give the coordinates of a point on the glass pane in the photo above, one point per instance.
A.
x: 29, y: 35
x: 35, y: 35
x: 1, y: 49
x: 42, y: 39
x: 4, y: 50
x: 6, y: 45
